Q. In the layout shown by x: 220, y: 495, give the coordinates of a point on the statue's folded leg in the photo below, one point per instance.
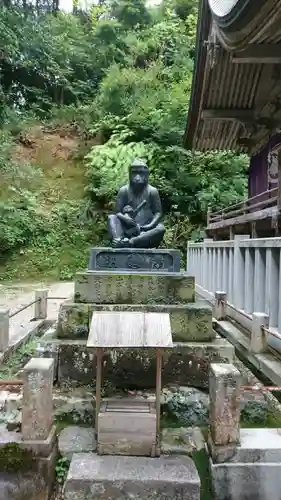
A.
x: 115, y: 228
x: 149, y: 239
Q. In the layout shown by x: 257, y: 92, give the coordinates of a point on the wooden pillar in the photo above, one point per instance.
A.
x: 98, y: 384
x: 158, y: 399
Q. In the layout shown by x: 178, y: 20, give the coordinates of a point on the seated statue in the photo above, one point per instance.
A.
x: 136, y: 222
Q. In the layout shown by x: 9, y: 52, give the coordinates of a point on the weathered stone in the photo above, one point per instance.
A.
x: 28, y: 486
x: 103, y: 287
x: 181, y: 441
x: 185, y: 364
x: 253, y: 471
x: 134, y: 259
x: 37, y: 411
x: 224, y: 404
x: 4, y: 328
x: 48, y: 351
x: 189, y: 322
x: 137, y: 478
x: 74, y: 439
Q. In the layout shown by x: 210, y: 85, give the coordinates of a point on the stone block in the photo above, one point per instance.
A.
x: 116, y: 287
x: 181, y: 441
x: 224, y: 391
x: 122, y: 477
x: 189, y: 322
x: 185, y: 364
x: 253, y: 471
x: 127, y: 427
x: 134, y: 259
x: 37, y: 408
x: 246, y: 481
x: 75, y: 439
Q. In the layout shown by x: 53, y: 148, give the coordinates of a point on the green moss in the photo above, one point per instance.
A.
x: 15, y: 459
x: 201, y: 461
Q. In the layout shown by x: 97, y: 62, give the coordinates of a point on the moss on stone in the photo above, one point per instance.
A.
x: 15, y: 459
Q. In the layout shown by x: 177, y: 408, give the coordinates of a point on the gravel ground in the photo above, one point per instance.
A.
x: 15, y: 296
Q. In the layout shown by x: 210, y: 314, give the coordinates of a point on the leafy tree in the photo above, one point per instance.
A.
x: 119, y: 74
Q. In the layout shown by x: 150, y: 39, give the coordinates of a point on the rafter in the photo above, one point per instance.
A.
x: 259, y: 54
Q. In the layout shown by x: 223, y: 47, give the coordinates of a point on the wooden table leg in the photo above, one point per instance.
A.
x: 158, y: 399
x: 98, y: 384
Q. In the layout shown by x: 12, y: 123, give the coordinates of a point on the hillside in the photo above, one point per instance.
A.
x: 55, y: 176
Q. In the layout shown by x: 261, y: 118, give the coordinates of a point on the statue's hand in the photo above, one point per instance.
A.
x: 128, y: 210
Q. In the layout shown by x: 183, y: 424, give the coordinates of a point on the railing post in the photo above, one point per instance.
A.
x: 258, y: 335
x: 220, y: 306
x: 205, y: 264
x: 40, y: 310
x: 238, y: 272
x: 4, y: 328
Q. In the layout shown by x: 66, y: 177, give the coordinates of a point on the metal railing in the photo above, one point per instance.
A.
x: 248, y: 271
x: 40, y: 313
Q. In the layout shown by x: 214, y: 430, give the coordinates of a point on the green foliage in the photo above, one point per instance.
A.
x: 120, y: 77
x: 62, y: 466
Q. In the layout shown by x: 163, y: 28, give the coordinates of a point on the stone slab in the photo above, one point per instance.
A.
x: 189, y: 322
x: 186, y: 364
x: 119, y: 477
x: 134, y: 259
x: 246, y: 481
x: 131, y: 287
x: 75, y: 439
x: 181, y: 440
x: 256, y: 446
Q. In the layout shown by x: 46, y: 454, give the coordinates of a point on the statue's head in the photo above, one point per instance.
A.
x: 138, y: 174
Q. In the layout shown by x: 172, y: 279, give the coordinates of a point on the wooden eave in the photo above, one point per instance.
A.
x: 236, y: 91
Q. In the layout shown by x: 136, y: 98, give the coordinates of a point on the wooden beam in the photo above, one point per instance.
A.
x: 259, y: 54
x: 242, y: 115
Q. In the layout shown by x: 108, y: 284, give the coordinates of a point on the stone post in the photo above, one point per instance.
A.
x: 220, y: 306
x: 41, y: 296
x: 258, y: 335
x: 224, y: 388
x: 4, y: 328
x: 37, y: 404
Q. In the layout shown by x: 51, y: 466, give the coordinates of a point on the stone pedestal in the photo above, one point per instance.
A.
x: 134, y: 287
x: 134, y: 259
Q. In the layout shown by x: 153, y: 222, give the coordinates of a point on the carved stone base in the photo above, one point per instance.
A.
x: 135, y: 259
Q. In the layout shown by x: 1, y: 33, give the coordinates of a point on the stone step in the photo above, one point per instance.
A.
x: 121, y: 287
x: 95, y: 477
x: 189, y: 322
x: 186, y: 363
